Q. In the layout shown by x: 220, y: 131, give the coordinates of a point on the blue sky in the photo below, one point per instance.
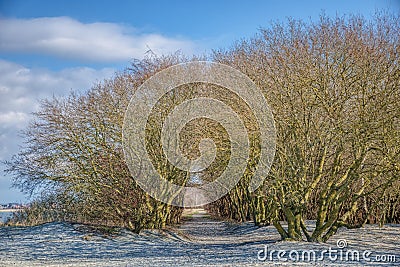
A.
x: 52, y: 47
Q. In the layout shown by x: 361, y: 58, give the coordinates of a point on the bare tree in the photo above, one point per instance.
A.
x: 334, y: 90
x: 73, y: 153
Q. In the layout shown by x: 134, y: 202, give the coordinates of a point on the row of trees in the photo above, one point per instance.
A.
x: 73, y: 158
x: 333, y: 87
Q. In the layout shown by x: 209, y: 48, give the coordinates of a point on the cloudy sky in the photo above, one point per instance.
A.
x: 54, y: 47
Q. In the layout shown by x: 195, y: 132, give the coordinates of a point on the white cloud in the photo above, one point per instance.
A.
x: 13, y: 118
x: 20, y: 89
x: 68, y: 38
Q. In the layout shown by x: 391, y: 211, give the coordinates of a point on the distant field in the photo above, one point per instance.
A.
x: 9, y: 210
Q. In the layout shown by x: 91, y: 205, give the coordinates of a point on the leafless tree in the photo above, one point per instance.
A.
x: 73, y: 153
x: 333, y: 87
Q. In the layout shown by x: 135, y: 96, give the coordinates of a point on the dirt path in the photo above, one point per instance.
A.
x: 199, y: 227
x: 381, y: 246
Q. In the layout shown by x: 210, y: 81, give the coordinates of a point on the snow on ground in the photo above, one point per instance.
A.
x: 198, y: 241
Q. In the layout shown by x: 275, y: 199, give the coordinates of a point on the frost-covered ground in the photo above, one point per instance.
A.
x: 4, y: 215
x: 199, y: 241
